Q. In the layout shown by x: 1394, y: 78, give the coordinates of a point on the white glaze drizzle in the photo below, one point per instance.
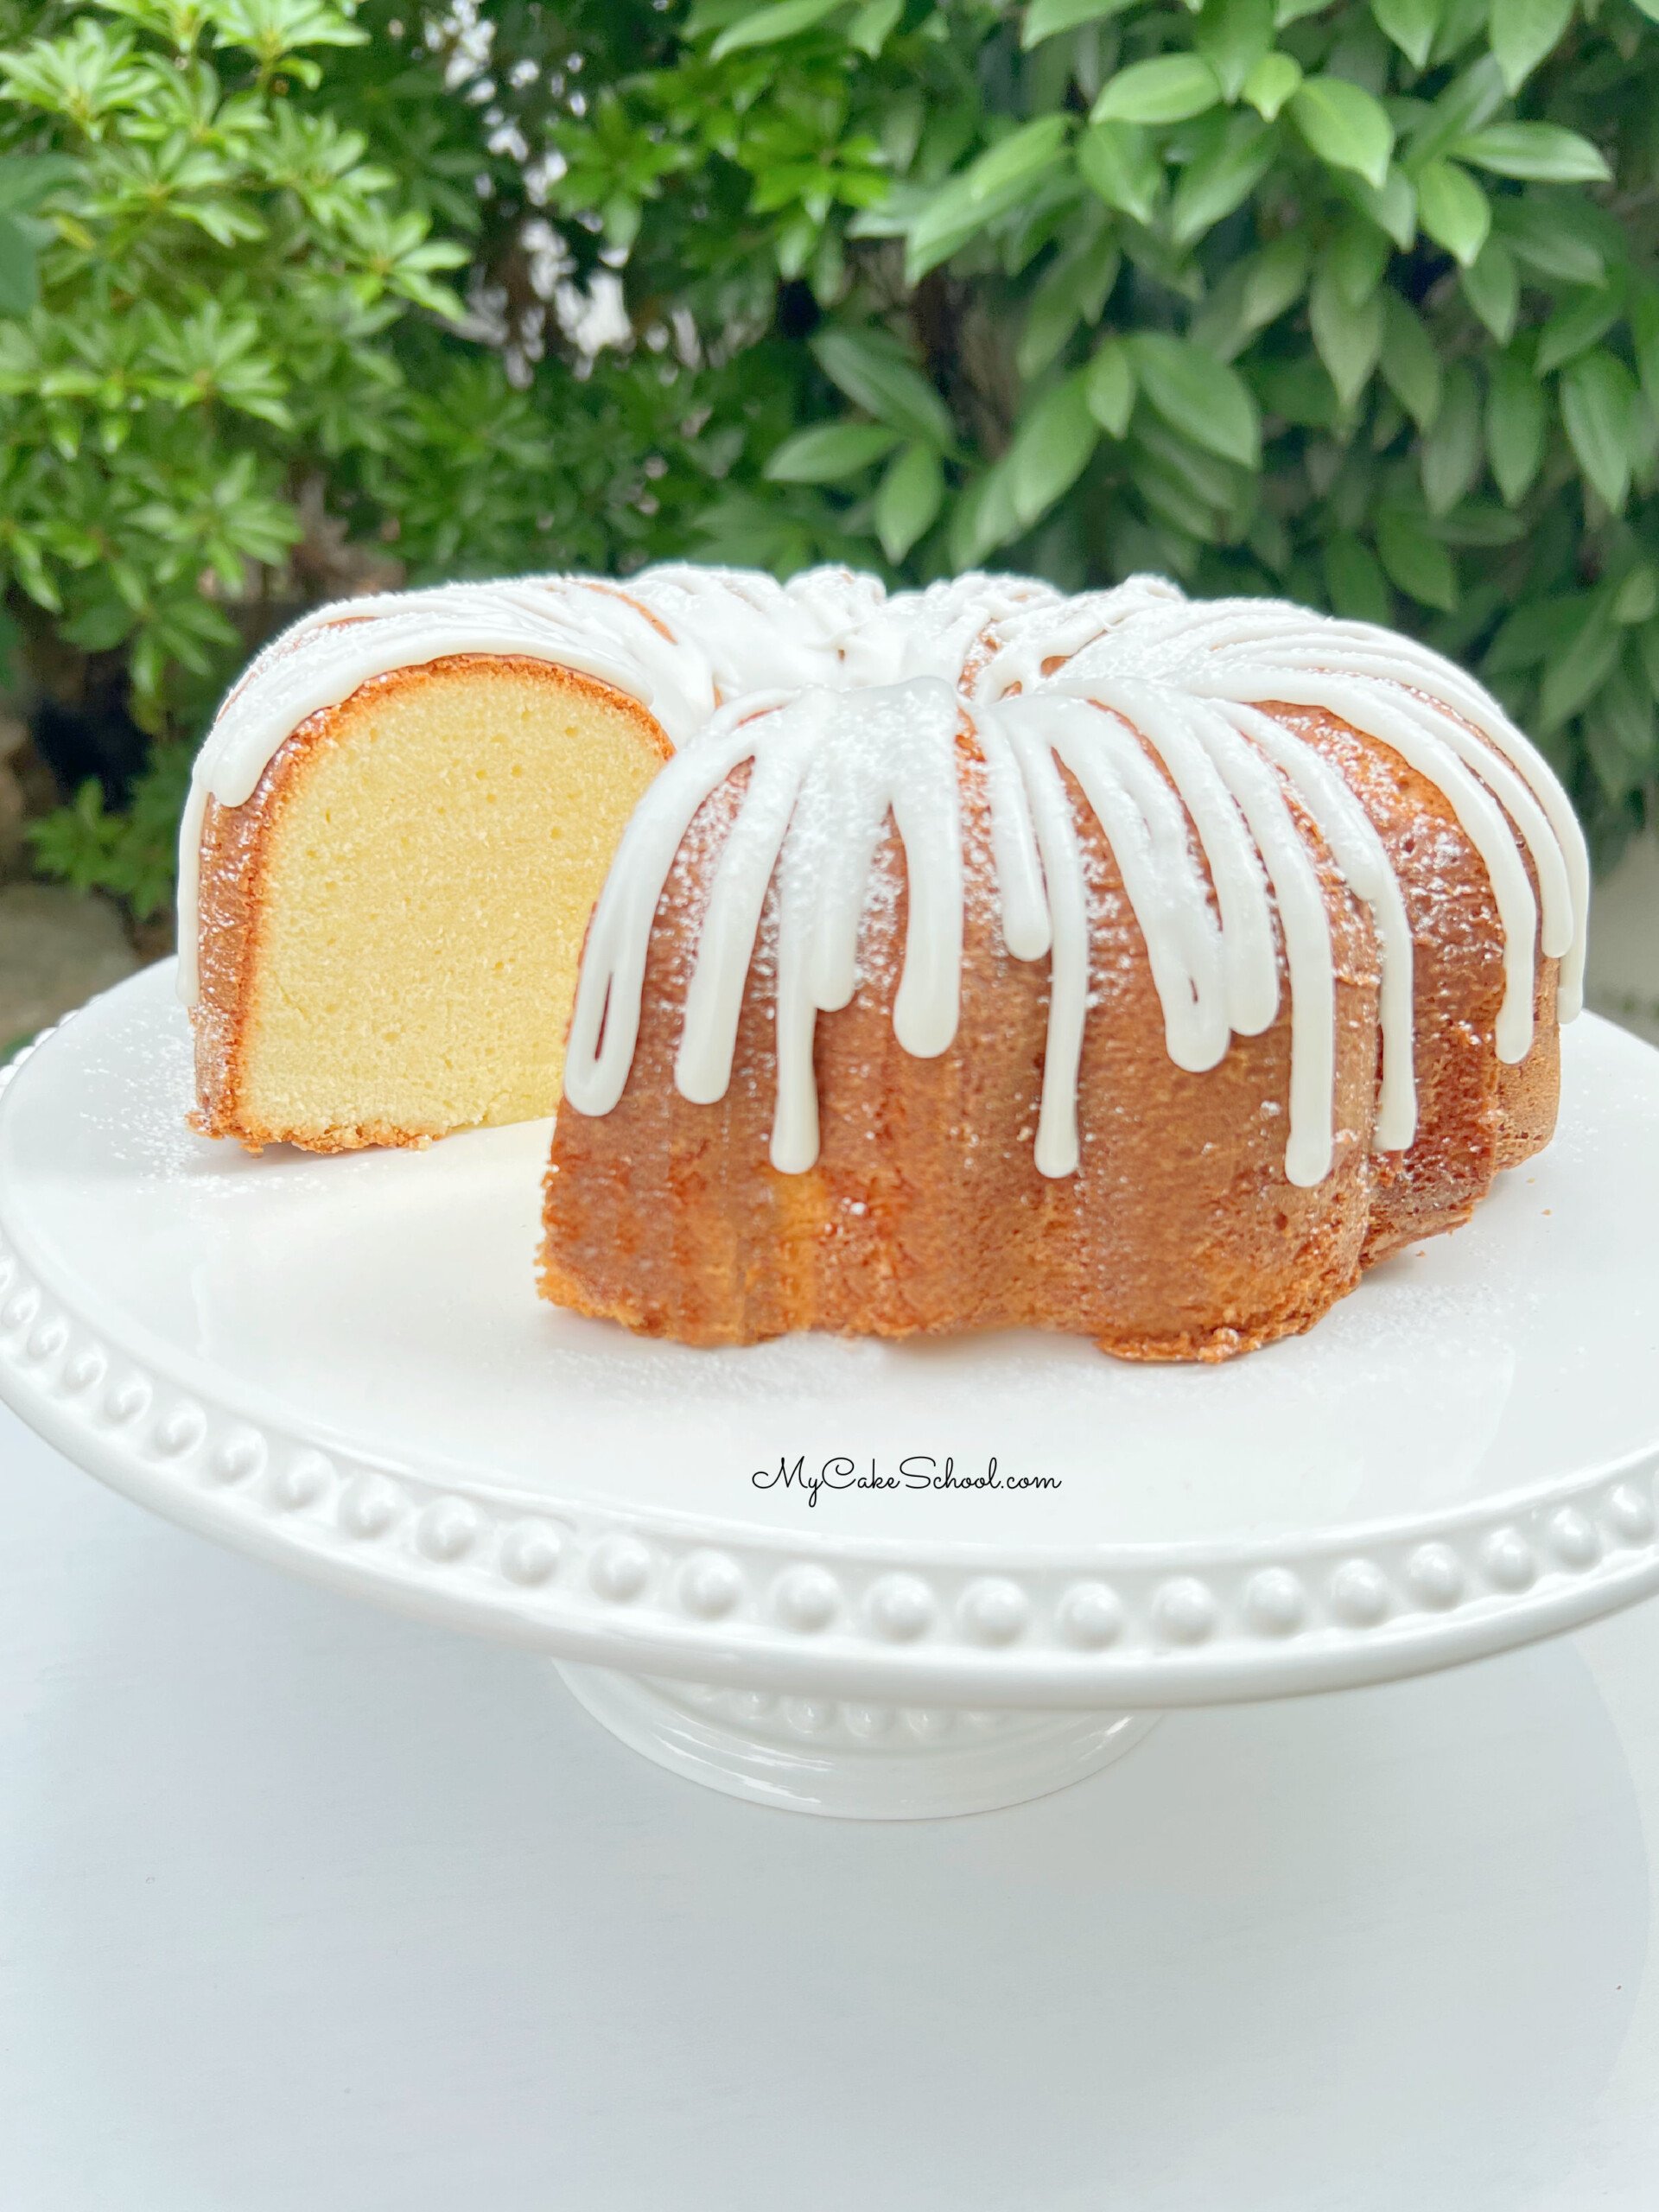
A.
x: 679, y: 639
x: 846, y: 704
x: 1156, y: 707
x: 826, y: 769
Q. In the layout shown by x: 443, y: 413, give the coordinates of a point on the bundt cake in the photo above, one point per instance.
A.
x: 965, y: 958
x: 1124, y: 965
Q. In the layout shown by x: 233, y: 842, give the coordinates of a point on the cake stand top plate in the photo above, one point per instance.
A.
x: 341, y: 1364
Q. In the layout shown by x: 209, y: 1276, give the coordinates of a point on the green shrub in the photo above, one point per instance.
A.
x: 235, y: 375
x: 1356, y: 303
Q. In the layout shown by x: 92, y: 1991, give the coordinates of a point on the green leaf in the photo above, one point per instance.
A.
x: 1116, y: 161
x: 1453, y: 210
x: 1198, y: 394
x: 1598, y: 403
x: 1215, y: 482
x: 1344, y: 125
x: 1170, y: 490
x: 1349, y: 340
x: 1577, y: 673
x: 874, y: 25
x: 706, y: 15
x: 908, y: 501
x: 1234, y: 36
x: 1644, y: 338
x: 1049, y: 449
x: 1577, y: 324
x: 1482, y: 523
x: 1358, y: 255
x: 1045, y: 17
x: 1274, y: 279
x: 1393, y: 207
x: 274, y: 30
x: 1411, y: 367
x: 21, y: 240
x: 1539, y: 630
x: 1271, y: 83
x: 1073, y: 290
x: 1450, y: 459
x: 1221, y: 178
x: 1023, y: 153
x: 1354, y: 580
x: 1219, y: 322
x: 947, y: 219
x: 827, y: 271
x: 1411, y: 24
x: 1461, y: 27
x: 1109, y: 385
x: 1544, y: 153
x: 1523, y: 31
x: 1002, y: 179
x: 1471, y: 98
x: 875, y: 374
x: 1618, y: 736
x: 1627, y: 700
x: 1636, y: 598
x: 826, y: 452
x: 1559, y: 238
x: 1171, y: 88
x: 1415, y: 560
x: 1492, y: 288
x: 984, y: 517
x: 28, y: 178
x: 766, y: 26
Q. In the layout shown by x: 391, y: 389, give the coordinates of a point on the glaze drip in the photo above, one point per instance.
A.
x: 1158, y: 709
x: 827, y: 769
x: 847, y: 706
x: 679, y: 640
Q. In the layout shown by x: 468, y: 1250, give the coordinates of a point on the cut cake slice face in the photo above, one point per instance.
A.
x: 390, y: 925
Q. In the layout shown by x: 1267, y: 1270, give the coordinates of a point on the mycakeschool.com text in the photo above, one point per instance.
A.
x: 918, y: 1471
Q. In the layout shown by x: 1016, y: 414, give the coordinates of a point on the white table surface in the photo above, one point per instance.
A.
x: 304, y: 1908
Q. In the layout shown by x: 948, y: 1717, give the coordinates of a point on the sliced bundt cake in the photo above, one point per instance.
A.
x: 1127, y: 966
x: 1122, y: 964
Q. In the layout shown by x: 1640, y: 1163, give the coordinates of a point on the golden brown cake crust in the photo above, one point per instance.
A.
x: 233, y: 904
x: 1475, y: 1114
x: 1179, y: 1237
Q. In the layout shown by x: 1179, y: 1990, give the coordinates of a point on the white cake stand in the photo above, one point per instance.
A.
x: 340, y: 1365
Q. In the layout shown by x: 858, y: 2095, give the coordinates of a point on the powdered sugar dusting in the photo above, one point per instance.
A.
x: 1154, y: 706
x: 846, y: 706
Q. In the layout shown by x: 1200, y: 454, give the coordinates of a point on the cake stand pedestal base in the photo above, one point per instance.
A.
x: 852, y: 1761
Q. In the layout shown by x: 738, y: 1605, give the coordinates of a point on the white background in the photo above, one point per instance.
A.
x: 307, y: 1909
